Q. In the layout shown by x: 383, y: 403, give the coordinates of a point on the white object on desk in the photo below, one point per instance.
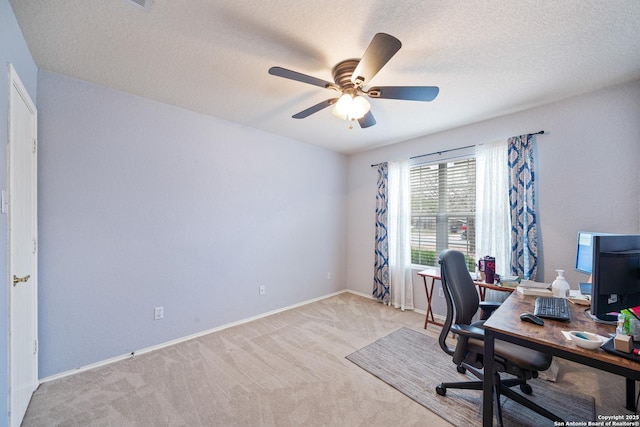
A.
x: 560, y: 286
x: 590, y: 342
x: 540, y: 292
x: 577, y: 298
x: 532, y: 284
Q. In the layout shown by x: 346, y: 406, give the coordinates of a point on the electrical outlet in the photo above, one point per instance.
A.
x: 262, y: 290
x: 329, y: 276
x: 440, y: 292
x: 158, y: 313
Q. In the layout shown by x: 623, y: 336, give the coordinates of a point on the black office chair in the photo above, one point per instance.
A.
x: 463, y: 303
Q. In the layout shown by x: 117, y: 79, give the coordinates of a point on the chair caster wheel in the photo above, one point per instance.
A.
x: 441, y: 390
x: 526, y: 388
x: 461, y: 369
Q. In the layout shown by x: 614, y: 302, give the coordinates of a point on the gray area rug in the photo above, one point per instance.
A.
x: 414, y: 364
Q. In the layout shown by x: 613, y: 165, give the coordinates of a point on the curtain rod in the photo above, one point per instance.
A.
x: 454, y: 149
x: 435, y: 152
x: 440, y: 152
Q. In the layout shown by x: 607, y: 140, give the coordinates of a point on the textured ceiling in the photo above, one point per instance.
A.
x: 488, y: 57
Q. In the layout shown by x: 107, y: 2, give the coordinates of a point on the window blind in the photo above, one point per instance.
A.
x: 442, y: 209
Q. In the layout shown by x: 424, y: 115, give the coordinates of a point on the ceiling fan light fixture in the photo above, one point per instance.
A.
x: 360, y: 107
x: 351, y: 107
x: 341, y: 109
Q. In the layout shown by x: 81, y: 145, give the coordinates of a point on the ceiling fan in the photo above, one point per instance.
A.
x: 350, y: 78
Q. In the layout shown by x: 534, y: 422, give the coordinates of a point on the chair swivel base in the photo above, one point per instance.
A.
x: 503, y: 387
x: 441, y: 389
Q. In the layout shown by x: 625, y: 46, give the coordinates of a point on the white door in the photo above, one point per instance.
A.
x: 22, y: 281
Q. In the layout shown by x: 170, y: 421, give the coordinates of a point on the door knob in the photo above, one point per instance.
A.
x: 17, y: 279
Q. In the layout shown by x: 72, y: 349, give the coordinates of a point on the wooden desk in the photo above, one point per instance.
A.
x: 429, y: 278
x: 505, y: 324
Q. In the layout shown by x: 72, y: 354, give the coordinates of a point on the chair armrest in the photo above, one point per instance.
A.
x: 488, y: 307
x: 468, y: 331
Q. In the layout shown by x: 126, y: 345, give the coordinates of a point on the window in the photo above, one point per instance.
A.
x: 443, y: 209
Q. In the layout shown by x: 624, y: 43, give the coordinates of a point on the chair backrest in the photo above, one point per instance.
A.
x: 460, y: 293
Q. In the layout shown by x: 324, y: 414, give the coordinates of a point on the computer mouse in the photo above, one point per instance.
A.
x: 531, y: 318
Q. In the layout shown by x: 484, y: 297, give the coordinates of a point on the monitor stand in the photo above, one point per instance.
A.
x: 609, y: 319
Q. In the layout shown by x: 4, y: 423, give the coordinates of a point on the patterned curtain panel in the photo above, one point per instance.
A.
x: 522, y: 198
x: 381, y: 264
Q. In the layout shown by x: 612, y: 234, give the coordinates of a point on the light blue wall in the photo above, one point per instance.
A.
x: 13, y: 49
x: 144, y: 204
x: 587, y: 177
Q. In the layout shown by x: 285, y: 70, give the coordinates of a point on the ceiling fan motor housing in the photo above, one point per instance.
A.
x: 342, y: 73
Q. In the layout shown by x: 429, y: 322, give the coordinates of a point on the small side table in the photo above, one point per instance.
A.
x: 430, y: 275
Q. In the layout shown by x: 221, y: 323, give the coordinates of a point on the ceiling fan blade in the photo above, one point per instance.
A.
x: 380, y: 50
x: 320, y: 106
x: 410, y: 93
x: 294, y: 75
x: 367, y: 121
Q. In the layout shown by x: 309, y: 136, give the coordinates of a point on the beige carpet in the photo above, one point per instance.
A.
x: 414, y: 364
x: 288, y: 369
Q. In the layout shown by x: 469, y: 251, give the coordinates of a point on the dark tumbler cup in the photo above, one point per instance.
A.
x: 489, y: 269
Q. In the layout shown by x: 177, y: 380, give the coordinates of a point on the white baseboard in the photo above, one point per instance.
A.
x: 203, y: 333
x: 183, y: 339
x: 351, y: 291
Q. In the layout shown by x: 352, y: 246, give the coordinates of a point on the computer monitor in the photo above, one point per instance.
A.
x: 615, y: 276
x: 584, y: 253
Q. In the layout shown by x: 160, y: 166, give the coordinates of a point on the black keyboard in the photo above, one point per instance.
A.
x: 552, y: 308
